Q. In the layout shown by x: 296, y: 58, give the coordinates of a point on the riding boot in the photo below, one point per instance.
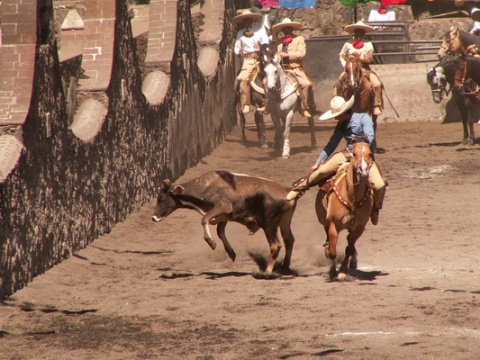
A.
x: 377, y: 107
x: 303, y: 184
x: 245, y: 96
x: 378, y: 197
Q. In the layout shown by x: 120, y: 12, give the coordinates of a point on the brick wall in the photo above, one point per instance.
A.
x: 65, y: 191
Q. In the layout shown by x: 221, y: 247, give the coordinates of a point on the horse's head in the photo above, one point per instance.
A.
x: 272, y: 74
x: 438, y: 83
x: 444, y: 47
x: 353, y: 69
x: 362, y: 160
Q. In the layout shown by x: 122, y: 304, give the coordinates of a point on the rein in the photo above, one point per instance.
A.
x: 463, y: 85
x: 352, y: 206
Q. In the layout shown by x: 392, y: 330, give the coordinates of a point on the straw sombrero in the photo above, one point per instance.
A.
x: 338, y: 106
x: 359, y: 25
x: 247, y: 14
x: 286, y: 23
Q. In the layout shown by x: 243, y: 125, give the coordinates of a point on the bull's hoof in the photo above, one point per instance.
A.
x: 211, y: 243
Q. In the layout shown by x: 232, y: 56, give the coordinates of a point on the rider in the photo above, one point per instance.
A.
x: 363, y: 50
x: 352, y: 127
x: 291, y: 50
x: 247, y: 47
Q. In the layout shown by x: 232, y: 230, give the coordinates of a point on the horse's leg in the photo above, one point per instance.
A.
x: 274, y: 113
x: 311, y: 126
x: 286, y: 135
x: 331, y: 243
x: 350, y: 260
x: 261, y: 134
x: 463, y: 104
x: 242, y: 126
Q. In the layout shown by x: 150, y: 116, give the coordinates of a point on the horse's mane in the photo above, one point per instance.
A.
x: 467, y: 39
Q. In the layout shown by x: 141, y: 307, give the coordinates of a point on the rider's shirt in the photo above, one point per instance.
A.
x: 247, y: 45
x: 296, y: 49
x: 360, y: 125
x: 366, y: 52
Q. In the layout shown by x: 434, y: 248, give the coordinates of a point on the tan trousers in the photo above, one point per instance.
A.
x: 249, y: 67
x: 305, y: 85
x: 332, y: 165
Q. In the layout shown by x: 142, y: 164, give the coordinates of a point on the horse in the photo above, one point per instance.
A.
x: 456, y: 41
x: 357, y: 83
x: 283, y: 101
x: 443, y: 74
x: 346, y: 204
x: 257, y: 99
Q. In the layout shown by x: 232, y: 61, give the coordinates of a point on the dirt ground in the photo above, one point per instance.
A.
x: 157, y: 291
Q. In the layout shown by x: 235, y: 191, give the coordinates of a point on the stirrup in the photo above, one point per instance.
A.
x: 296, y: 184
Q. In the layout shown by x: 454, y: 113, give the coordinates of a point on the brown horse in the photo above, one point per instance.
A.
x: 346, y: 202
x: 357, y: 83
x: 457, y: 41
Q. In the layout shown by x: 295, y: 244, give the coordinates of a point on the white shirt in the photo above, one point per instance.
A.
x: 246, y: 45
x: 476, y: 28
x: 366, y: 52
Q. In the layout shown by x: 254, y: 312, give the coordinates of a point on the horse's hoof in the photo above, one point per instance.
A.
x: 341, y: 276
x: 285, y: 156
x: 264, y: 147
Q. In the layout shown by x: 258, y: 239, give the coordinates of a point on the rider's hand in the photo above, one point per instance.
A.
x: 471, y: 50
x: 284, y: 54
x: 314, y: 167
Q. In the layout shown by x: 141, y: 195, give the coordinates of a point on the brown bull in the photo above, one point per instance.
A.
x: 220, y: 196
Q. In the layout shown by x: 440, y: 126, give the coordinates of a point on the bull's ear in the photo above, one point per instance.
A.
x: 166, y: 185
x: 177, y: 189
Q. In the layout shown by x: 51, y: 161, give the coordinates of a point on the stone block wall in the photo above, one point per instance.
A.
x: 88, y: 130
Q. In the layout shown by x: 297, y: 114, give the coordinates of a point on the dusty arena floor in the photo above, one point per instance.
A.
x: 157, y: 291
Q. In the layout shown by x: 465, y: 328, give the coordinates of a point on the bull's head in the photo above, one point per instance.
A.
x: 166, y: 201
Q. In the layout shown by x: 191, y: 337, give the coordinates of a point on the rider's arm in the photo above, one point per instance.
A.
x: 238, y: 45
x: 331, y: 146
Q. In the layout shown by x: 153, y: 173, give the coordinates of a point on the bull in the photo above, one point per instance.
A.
x: 221, y: 196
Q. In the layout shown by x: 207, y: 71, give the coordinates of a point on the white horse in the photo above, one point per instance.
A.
x: 282, y: 97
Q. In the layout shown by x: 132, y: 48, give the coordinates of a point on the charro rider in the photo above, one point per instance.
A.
x: 351, y: 126
x: 363, y: 50
x: 247, y: 47
x: 291, y: 50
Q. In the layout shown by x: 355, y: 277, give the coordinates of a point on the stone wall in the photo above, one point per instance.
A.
x: 103, y: 104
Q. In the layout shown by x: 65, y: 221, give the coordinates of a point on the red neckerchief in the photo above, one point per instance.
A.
x: 382, y: 10
x: 358, y: 44
x: 287, y: 40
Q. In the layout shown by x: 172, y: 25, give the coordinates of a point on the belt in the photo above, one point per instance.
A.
x: 251, y: 55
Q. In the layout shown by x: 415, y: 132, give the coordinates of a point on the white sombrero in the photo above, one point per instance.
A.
x: 286, y: 23
x: 338, y: 106
x: 247, y: 14
x: 359, y: 25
